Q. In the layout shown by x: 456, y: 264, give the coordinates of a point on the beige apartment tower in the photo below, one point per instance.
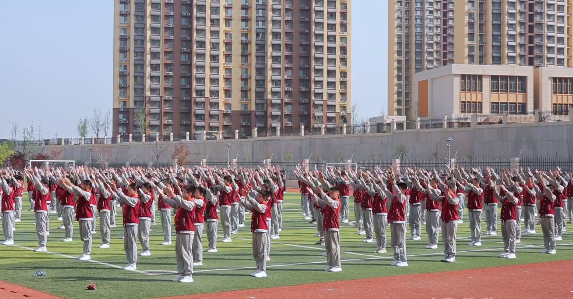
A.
x: 188, y: 66
x: 427, y: 34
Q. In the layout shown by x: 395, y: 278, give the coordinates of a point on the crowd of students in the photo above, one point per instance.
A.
x: 203, y: 196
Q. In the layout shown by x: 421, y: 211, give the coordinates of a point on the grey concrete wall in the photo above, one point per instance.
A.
x: 483, y: 141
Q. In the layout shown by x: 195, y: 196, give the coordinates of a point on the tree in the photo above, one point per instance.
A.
x: 5, y: 153
x: 28, y: 141
x: 103, y: 154
x: 182, y: 154
x: 106, y: 123
x: 97, y: 122
x: 157, y: 149
x: 17, y: 161
x: 56, y: 152
x: 141, y: 120
x: 83, y: 127
x: 358, y: 124
x: 14, y: 133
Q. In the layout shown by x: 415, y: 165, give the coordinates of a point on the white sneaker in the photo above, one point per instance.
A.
x: 261, y: 274
x: 60, y: 218
x: 559, y: 238
x: 280, y: 230
x: 177, y: 278
x: 130, y: 267
x: 186, y: 279
x: 449, y: 259
x: 241, y: 225
x: 503, y: 255
x: 432, y: 246
x: 67, y: 240
x: 472, y: 243
x: 268, y: 258
x: 85, y: 257
x: 234, y: 232
x: 369, y: 240
x: 316, y: 235
x: 104, y: 246
x: 402, y: 264
x: 14, y: 229
x: 165, y: 243
x: 493, y: 233
x: 306, y: 218
x: 212, y: 250
x: 525, y: 231
x: 226, y: 240
x: 41, y: 249
x: 544, y: 251
x: 460, y: 221
x: 275, y: 237
x: 345, y: 221
x: 511, y: 256
x: 327, y: 269
x: 362, y: 233
x: 417, y: 238
x: 113, y: 225
x: 122, y: 237
x: 255, y: 273
x: 8, y: 242
x: 383, y: 250
x: 411, y: 238
x: 517, y: 241
x: 197, y: 264
x: 336, y: 269
x: 477, y: 244
x: 62, y: 227
x: 146, y: 253
x: 552, y: 251
x: 488, y: 232
x: 532, y: 232
x: 17, y: 220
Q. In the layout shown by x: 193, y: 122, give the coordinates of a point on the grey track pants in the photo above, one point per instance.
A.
x: 380, y: 224
x: 42, y: 228
x: 212, y: 233
x: 260, y: 250
x: 344, y: 209
x: 548, y: 227
x: 235, y: 216
x: 130, y: 243
x: 414, y: 220
x: 143, y: 233
x: 332, y: 244
x: 491, y: 217
x: 449, y: 231
x: 198, y: 242
x: 86, y: 235
x: 166, y: 224
x: 68, y: 219
x: 104, y: 226
x: 367, y: 220
x: 475, y: 225
x: 509, y: 234
x: 183, y: 253
x: 226, y: 221
x: 8, y: 225
x: 432, y: 226
x: 398, y: 241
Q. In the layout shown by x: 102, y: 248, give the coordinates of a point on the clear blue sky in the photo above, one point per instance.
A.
x: 57, y: 62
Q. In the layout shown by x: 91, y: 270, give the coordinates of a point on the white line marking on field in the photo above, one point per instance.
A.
x: 75, y: 258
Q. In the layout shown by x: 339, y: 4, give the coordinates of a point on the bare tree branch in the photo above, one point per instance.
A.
x: 96, y: 122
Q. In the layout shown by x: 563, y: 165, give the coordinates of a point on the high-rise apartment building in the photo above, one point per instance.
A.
x: 426, y: 34
x: 224, y: 65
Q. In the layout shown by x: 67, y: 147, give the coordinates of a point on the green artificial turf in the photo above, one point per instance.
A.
x: 68, y: 278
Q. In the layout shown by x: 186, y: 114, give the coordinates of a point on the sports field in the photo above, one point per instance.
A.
x: 294, y: 260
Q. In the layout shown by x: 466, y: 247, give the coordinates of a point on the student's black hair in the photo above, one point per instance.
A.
x: 201, y: 190
x: 133, y: 186
x: 264, y: 193
x: 402, y: 185
x: 19, y: 177
x: 189, y: 189
x: 88, y: 183
x: 227, y: 178
x: 334, y: 189
x: 147, y: 186
x: 43, y: 181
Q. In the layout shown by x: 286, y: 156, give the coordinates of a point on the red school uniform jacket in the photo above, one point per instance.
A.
x: 331, y: 218
x: 449, y: 211
x: 131, y: 214
x: 184, y: 220
x: 259, y: 220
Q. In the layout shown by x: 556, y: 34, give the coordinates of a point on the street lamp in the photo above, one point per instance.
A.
x: 448, y: 144
x: 90, y: 150
x: 228, y: 154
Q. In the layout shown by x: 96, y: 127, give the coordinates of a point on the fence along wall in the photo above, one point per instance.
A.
x: 538, y: 139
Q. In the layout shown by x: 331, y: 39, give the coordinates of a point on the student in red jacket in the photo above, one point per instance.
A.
x: 212, y: 218
x: 184, y: 227
x: 397, y: 219
x: 104, y: 202
x: 331, y: 225
x: 68, y: 203
x: 259, y: 228
x: 18, y: 190
x: 547, y: 216
x: 198, y: 221
x: 475, y: 207
x: 8, y: 206
x: 146, y: 196
x: 509, y: 201
x: 41, y: 208
x: 131, y: 205
x: 84, y: 213
x: 449, y: 217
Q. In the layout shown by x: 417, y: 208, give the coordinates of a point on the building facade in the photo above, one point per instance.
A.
x: 427, y: 34
x: 460, y: 90
x: 222, y: 65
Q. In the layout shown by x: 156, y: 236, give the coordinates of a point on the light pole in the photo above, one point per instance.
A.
x: 228, y: 154
x: 90, y: 150
x: 448, y: 143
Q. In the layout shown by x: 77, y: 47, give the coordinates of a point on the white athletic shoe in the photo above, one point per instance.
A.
x: 532, y: 232
x: 417, y: 238
x: 477, y: 244
x: 261, y: 274
x: 280, y: 230
x: 383, y: 250
x: 41, y: 249
x: 268, y: 258
x: 165, y: 243
x: 62, y: 227
x: 558, y: 238
x: 460, y: 221
x: 336, y: 269
x: 104, y: 246
x: 316, y: 235
x: 525, y: 231
x: 503, y: 255
x: 552, y: 251
x: 8, y: 242
x: 327, y: 269
x: 85, y: 257
x: 122, y: 237
x: 449, y: 259
x: 60, y: 218
x: 511, y: 256
x: 145, y: 253
x: 234, y: 232
x: 113, y: 225
x: 488, y: 232
x: 306, y: 218
x: 177, y: 278
x: 186, y: 279
x: 345, y: 221
x: 93, y: 232
x: 544, y: 251
x: 432, y: 246
x: 493, y: 233
x: 517, y: 241
x: 402, y: 264
x: 226, y: 240
x: 241, y: 225
x: 67, y: 240
x: 212, y: 250
x: 130, y: 267
x: 395, y: 262
x: 362, y: 233
x: 275, y: 237
x: 472, y: 243
x: 255, y: 273
x: 17, y: 220
x: 197, y: 264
